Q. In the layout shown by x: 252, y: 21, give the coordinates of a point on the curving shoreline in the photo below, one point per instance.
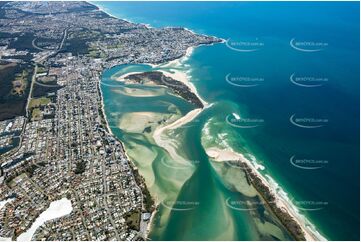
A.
x: 308, y: 229
x: 280, y: 205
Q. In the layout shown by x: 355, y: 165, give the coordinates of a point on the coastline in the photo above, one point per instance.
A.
x: 176, y: 75
x: 281, y: 202
x: 157, y: 135
x: 307, y: 227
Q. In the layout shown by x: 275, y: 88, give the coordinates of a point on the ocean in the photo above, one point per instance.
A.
x: 284, y: 90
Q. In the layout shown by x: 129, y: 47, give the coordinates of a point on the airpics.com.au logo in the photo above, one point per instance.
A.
x: 308, y: 46
x: 308, y: 164
x: 243, y: 123
x: 308, y: 122
x: 244, y: 205
x: 177, y: 165
x: 243, y: 81
x: 308, y: 205
x: 245, y: 45
x: 308, y: 81
x: 180, y: 205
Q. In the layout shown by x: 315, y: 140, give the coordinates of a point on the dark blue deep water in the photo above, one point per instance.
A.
x: 291, y: 68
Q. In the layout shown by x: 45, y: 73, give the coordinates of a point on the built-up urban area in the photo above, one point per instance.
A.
x: 54, y: 140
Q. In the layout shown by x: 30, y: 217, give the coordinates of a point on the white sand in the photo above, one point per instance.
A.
x: 135, y: 92
x: 122, y: 77
x: 282, y: 201
x: 5, y: 239
x: 164, y: 141
x: 178, y: 62
x: 136, y: 122
x: 56, y: 209
x: 183, y: 77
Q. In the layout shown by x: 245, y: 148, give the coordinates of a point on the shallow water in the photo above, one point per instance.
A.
x: 271, y: 97
x: 193, y: 191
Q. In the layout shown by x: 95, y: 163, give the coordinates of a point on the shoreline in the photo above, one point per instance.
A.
x: 176, y: 75
x: 157, y: 135
x: 104, y: 120
x: 281, y: 202
x: 307, y: 227
x: 151, y: 220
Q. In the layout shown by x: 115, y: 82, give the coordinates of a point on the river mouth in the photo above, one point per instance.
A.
x: 162, y: 134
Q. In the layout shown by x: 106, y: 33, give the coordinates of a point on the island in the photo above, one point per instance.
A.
x: 158, y: 78
x: 59, y: 146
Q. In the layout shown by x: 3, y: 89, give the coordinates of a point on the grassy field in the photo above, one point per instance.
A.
x: 36, y: 114
x: 133, y: 220
x: 14, y: 89
x: 38, y: 102
x: 20, y: 83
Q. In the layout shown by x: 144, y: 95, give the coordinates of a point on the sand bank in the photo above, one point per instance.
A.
x: 164, y: 141
x: 136, y: 122
x: 135, y: 92
x: 282, y: 201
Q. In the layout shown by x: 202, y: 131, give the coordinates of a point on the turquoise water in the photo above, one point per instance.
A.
x: 193, y: 192
x: 327, y: 195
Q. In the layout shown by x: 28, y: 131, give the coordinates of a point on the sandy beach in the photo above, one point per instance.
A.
x: 135, y: 92
x: 136, y: 122
x: 218, y: 154
x: 183, y: 77
x: 283, y: 201
x: 157, y: 135
x: 122, y: 77
x: 152, y: 216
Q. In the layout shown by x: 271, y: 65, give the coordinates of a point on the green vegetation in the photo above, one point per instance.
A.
x: 30, y: 169
x: 36, y: 114
x: 20, y: 83
x: 147, y: 198
x: 14, y: 79
x: 80, y: 167
x: 38, y: 102
x: 96, y: 53
x: 42, y: 69
x: 133, y: 220
x: 116, y: 46
x: 285, y: 218
x: 177, y: 87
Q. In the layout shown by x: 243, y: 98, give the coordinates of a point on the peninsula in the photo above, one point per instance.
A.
x: 158, y: 78
x: 59, y: 146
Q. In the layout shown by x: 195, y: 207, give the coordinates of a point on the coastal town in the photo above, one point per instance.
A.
x: 54, y: 139
x: 57, y: 151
